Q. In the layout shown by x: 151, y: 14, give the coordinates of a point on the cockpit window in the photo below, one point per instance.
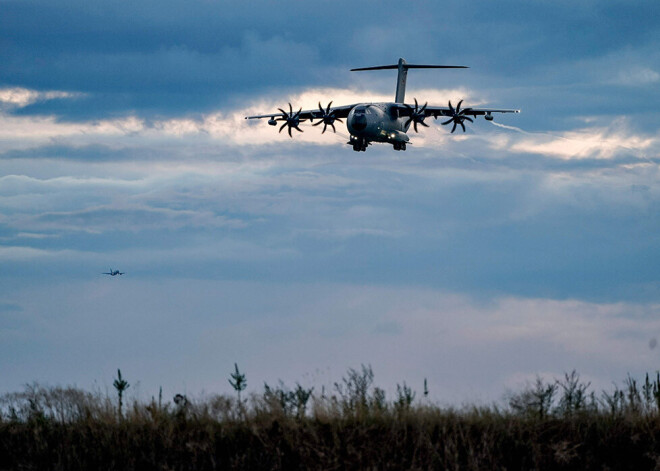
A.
x: 393, y: 112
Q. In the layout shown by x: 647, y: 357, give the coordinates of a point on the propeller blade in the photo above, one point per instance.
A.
x: 282, y: 127
x: 451, y: 108
x: 333, y: 127
x: 338, y: 119
x: 424, y: 124
x: 448, y: 121
x: 292, y: 136
x: 327, y: 117
x: 454, y: 128
x: 297, y: 128
x: 317, y: 123
x: 469, y: 119
x: 462, y: 125
x: 415, y: 126
x: 458, y: 107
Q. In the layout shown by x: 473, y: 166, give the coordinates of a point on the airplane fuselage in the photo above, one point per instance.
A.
x: 377, y: 122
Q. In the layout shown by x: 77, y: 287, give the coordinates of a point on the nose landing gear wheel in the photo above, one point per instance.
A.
x: 359, y: 145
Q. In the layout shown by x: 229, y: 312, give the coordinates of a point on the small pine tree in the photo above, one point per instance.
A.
x: 238, y: 381
x: 120, y: 385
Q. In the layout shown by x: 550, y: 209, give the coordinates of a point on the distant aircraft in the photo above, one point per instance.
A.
x: 381, y: 122
x: 113, y: 272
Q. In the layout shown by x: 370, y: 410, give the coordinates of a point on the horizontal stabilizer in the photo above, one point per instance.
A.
x: 411, y: 66
x: 403, y: 67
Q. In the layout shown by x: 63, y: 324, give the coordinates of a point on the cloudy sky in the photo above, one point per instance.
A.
x: 526, y: 246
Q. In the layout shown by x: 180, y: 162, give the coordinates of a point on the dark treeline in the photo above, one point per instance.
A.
x: 558, y: 424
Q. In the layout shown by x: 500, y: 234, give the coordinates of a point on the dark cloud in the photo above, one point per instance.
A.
x: 176, y: 57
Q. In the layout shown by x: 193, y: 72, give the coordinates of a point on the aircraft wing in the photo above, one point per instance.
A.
x: 457, y: 116
x: 449, y: 111
x: 304, y: 115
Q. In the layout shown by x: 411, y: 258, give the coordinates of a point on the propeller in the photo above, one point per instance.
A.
x: 417, y: 115
x: 458, y: 116
x: 291, y: 119
x: 327, y: 118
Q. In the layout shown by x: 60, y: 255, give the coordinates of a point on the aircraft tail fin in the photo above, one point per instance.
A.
x: 403, y: 67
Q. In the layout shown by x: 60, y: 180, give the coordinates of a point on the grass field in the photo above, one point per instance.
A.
x: 549, y: 425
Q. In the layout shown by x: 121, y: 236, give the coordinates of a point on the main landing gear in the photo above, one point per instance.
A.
x: 399, y: 145
x: 359, y: 144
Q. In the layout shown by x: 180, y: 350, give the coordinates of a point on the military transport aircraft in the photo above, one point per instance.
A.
x: 381, y: 122
x: 113, y: 272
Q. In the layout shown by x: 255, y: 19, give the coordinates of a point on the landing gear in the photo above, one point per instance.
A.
x: 399, y: 145
x: 359, y: 144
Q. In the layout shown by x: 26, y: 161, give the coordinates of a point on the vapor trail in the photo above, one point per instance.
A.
x: 513, y: 128
x: 640, y: 154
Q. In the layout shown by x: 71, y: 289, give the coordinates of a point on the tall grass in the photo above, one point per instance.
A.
x: 559, y: 424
